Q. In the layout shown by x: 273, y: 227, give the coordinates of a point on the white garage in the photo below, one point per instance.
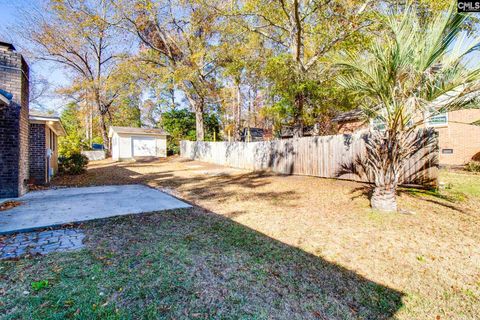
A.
x: 131, y: 143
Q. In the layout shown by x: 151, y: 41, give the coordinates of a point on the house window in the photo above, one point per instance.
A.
x: 52, y: 140
x: 378, y: 124
x: 436, y: 118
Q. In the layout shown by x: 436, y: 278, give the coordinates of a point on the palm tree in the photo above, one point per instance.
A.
x: 409, y: 72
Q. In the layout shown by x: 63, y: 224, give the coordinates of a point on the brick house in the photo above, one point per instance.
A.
x: 43, y: 145
x: 458, y: 133
x: 16, y: 140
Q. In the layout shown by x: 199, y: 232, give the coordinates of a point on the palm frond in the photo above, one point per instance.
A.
x: 413, y: 67
x: 442, y: 32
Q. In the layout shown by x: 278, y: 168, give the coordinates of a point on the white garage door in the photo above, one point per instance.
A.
x: 144, y: 147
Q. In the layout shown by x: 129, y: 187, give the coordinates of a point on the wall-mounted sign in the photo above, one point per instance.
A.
x: 468, y: 6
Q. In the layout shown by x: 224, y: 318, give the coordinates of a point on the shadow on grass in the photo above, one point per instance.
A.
x: 190, y: 264
x: 209, y: 185
x: 435, y: 197
x: 424, y: 194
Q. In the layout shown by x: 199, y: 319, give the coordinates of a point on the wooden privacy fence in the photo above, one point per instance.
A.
x: 337, y: 156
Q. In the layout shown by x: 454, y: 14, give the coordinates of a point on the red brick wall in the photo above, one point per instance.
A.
x: 14, y: 128
x: 459, y: 136
x: 38, y: 165
x: 24, y: 128
x: 351, y: 126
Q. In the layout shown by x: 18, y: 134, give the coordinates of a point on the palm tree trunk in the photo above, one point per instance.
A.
x: 384, y: 199
x: 384, y: 162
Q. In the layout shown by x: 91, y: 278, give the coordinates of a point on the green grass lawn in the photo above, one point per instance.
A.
x: 456, y: 186
x: 186, y: 264
x: 458, y: 181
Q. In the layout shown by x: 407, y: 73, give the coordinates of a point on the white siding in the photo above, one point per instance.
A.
x: 115, y: 147
x: 125, y: 145
x: 161, y: 146
x: 144, y: 146
x: 122, y: 146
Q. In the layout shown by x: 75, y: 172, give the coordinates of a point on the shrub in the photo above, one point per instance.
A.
x: 70, y: 144
x: 173, y: 146
x: 473, y: 166
x: 73, y: 164
x: 180, y: 124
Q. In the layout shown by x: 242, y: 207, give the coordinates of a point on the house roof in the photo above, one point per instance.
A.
x: 460, y: 92
x: 7, y: 45
x: 5, y: 97
x: 254, y: 132
x: 352, y: 115
x: 133, y: 130
x: 288, y: 131
x: 52, y: 121
x: 35, y: 113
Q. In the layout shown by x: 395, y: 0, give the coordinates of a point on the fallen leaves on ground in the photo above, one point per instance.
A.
x: 9, y: 205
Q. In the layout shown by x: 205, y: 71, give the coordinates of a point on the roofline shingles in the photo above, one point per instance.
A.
x: 158, y: 131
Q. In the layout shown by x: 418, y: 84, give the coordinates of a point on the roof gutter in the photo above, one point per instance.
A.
x: 53, y: 123
x: 4, y: 99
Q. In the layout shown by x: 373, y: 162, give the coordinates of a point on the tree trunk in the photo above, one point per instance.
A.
x: 298, y: 117
x: 384, y: 199
x: 196, y: 105
x: 103, y: 125
x: 199, y: 123
x: 238, y: 114
x: 103, y: 128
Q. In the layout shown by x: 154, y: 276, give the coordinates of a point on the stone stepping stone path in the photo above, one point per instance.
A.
x: 42, y: 242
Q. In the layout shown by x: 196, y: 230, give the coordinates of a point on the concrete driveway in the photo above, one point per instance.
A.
x: 55, y: 207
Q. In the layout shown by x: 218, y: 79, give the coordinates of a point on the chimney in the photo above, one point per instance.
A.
x: 14, y: 126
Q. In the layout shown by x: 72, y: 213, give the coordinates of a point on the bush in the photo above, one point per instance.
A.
x: 73, y: 164
x: 180, y: 124
x: 173, y: 146
x: 473, y: 166
x: 70, y: 144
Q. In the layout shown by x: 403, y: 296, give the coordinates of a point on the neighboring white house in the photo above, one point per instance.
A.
x: 130, y: 143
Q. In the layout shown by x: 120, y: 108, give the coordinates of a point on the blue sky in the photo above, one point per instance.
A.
x: 54, y: 73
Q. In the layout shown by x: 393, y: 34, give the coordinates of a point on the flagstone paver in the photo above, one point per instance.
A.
x: 42, y: 242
